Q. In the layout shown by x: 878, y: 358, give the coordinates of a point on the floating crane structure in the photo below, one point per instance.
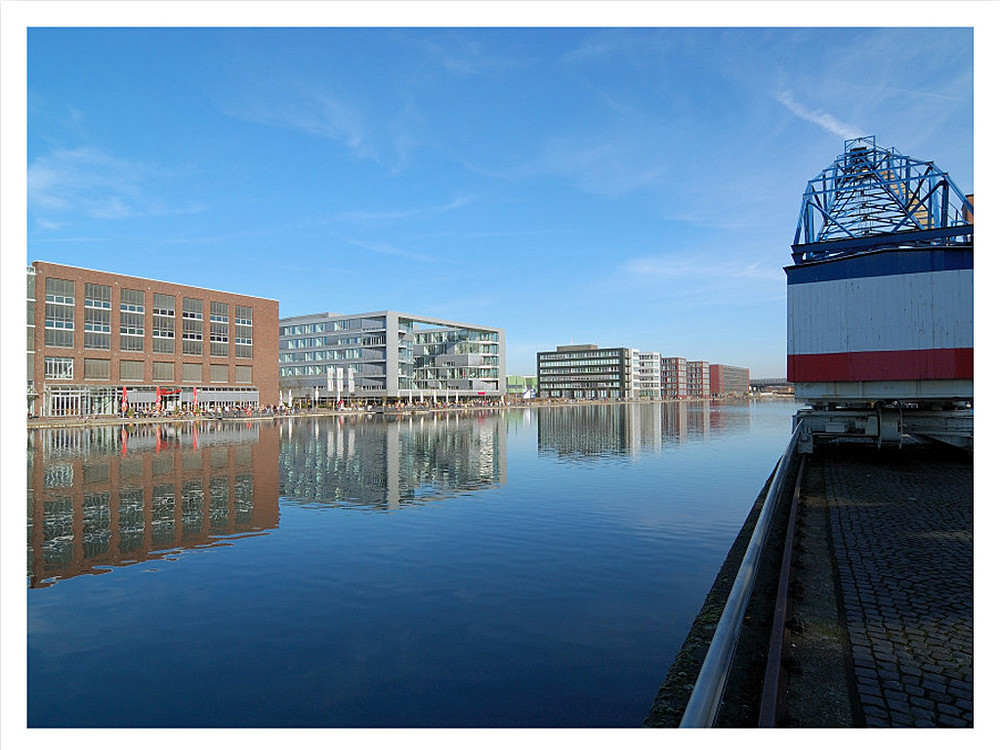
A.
x: 880, y: 317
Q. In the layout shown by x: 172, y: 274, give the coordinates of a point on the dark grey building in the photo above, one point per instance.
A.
x: 585, y: 371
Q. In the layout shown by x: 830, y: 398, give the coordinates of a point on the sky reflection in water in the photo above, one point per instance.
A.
x: 530, y: 568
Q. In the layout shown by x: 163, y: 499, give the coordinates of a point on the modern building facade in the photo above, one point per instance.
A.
x: 387, y: 356
x: 101, y: 342
x: 645, y: 375
x: 673, y: 377
x: 585, y: 371
x: 728, y: 380
x: 699, y: 383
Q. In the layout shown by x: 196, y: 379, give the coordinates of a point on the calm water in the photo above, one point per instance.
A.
x: 532, y: 568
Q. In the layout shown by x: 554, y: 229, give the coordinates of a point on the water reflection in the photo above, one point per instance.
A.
x: 383, y: 464
x: 629, y: 429
x: 112, y: 496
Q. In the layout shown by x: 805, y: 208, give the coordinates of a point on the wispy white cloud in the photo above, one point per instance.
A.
x: 684, y: 267
x: 402, y: 213
x: 468, y: 57
x: 687, y: 282
x: 88, y: 182
x: 384, y: 248
x: 308, y: 109
x: 825, y: 120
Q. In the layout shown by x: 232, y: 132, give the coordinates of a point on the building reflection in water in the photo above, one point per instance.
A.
x: 109, y: 496
x: 628, y: 429
x: 382, y: 464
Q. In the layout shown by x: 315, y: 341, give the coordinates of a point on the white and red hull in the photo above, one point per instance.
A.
x: 890, y: 324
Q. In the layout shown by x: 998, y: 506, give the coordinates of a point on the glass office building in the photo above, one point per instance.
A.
x: 388, y: 356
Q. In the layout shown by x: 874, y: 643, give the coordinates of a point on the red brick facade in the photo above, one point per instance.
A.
x: 207, y: 372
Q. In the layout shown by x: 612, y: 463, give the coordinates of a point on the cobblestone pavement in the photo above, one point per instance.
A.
x: 901, y: 527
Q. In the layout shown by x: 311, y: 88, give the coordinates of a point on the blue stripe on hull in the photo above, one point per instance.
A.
x: 881, y: 263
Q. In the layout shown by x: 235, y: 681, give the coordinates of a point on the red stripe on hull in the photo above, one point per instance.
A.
x: 914, y: 364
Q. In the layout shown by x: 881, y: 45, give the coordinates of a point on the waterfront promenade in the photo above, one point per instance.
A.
x: 889, y: 535
x: 399, y: 409
x: 880, y: 604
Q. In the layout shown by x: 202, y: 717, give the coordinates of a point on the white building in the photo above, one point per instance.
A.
x: 646, y: 381
x: 388, y: 356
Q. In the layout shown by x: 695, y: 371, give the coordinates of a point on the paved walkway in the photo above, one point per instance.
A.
x: 901, y: 529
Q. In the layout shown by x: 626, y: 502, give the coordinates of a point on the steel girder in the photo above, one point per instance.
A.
x: 872, y: 198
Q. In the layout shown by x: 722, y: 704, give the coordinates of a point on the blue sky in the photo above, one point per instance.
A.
x: 626, y: 187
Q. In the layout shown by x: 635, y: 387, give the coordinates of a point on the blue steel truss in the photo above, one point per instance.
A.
x: 873, y: 198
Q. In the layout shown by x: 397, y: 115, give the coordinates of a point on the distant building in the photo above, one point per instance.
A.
x: 728, y: 380
x: 585, y: 371
x: 698, y: 375
x: 772, y: 385
x: 673, y: 377
x: 389, y: 356
x: 645, y: 375
x: 98, y: 341
x: 522, y: 386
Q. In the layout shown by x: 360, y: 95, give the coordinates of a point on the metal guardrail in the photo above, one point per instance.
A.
x: 703, y: 705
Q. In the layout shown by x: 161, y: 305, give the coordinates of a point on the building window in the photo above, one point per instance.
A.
x: 193, y: 326
x: 97, y: 317
x: 164, y: 323
x: 219, y: 373
x: 219, y: 329
x: 130, y: 369
x: 163, y: 371
x: 164, y: 305
x: 60, y: 304
x: 59, y: 368
x: 243, y: 335
x: 133, y: 319
x: 96, y: 369
x: 191, y: 372
x: 244, y: 374
x: 97, y: 296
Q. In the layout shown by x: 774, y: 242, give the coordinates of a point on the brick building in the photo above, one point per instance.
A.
x: 98, y: 339
x: 698, y: 373
x: 673, y: 377
x: 728, y: 380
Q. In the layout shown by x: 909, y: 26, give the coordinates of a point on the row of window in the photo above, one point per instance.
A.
x: 553, y: 370
x: 60, y: 298
x: 63, y: 291
x: 570, y: 382
x: 326, y: 341
x: 62, y: 368
x: 615, y: 353
x: 97, y: 336
x: 457, y: 373
x: 331, y: 326
x: 555, y: 366
x: 320, y: 355
x: 454, y: 335
x: 300, y: 370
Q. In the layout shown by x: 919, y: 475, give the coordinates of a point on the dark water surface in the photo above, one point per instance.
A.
x: 531, y: 568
